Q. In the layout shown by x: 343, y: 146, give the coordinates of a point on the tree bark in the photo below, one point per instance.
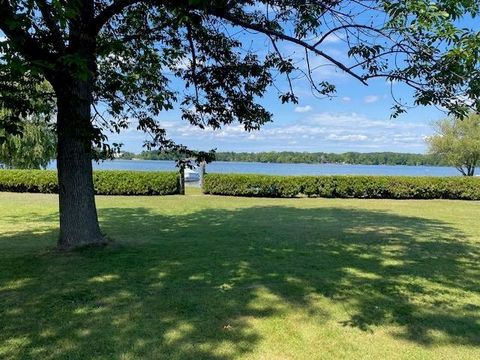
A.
x: 73, y: 84
x: 78, y: 214
x: 181, y: 179
x: 471, y: 169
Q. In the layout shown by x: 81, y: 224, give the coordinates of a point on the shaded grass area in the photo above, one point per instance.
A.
x: 204, y: 277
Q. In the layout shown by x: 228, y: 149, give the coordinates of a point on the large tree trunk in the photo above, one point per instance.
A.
x: 78, y: 214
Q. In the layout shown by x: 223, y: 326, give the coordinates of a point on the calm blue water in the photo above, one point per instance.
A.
x: 282, y: 169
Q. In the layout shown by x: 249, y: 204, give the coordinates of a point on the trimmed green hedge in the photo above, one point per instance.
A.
x: 105, y: 182
x: 135, y: 183
x: 346, y: 186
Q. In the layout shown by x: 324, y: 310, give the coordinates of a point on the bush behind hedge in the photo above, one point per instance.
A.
x: 106, y: 182
x: 344, y: 186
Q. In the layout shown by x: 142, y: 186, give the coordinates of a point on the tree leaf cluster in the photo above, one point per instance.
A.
x: 457, y: 141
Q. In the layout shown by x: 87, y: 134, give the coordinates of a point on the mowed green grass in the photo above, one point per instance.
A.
x: 204, y: 277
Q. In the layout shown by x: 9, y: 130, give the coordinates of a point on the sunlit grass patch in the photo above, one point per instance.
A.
x: 206, y: 277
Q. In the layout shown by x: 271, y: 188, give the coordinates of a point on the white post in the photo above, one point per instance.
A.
x: 202, y: 173
x: 182, y: 178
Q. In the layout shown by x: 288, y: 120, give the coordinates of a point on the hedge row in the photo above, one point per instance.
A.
x: 105, y: 182
x: 388, y: 187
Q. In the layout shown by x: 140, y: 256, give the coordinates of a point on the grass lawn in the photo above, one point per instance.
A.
x: 205, y: 277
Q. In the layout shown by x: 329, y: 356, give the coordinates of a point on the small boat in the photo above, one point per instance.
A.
x: 191, y: 175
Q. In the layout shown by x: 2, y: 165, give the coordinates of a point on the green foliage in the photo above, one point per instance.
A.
x: 35, y: 181
x: 34, y: 148
x: 458, y: 142
x: 135, y: 183
x: 455, y: 50
x: 375, y: 158
x: 126, y: 155
x: 105, y: 182
x: 27, y: 137
x: 159, y: 155
x: 389, y: 187
x: 132, y: 59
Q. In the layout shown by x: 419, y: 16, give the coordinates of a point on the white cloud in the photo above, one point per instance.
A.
x: 333, y: 38
x: 255, y: 136
x: 352, y: 137
x: 369, y: 99
x: 315, y: 132
x: 346, y: 99
x: 303, y: 109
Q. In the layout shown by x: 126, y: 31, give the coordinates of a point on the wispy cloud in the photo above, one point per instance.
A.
x: 351, y: 137
x: 333, y: 38
x: 369, y: 99
x: 303, y: 109
x: 319, y: 132
x: 324, y: 131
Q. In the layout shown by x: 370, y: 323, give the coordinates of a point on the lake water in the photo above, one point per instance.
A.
x: 282, y: 169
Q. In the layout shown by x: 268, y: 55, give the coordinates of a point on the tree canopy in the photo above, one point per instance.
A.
x: 458, y: 142
x: 34, y: 148
x: 28, y: 142
x: 141, y: 47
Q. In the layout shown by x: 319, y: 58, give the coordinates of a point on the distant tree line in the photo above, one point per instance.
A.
x: 374, y: 158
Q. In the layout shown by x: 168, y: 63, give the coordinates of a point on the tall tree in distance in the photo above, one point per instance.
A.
x: 118, y: 63
x: 29, y: 141
x: 34, y: 148
x: 457, y: 141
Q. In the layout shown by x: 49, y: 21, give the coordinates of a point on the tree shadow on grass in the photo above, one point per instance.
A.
x: 188, y: 286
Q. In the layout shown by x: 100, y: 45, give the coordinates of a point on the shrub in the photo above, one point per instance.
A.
x: 36, y: 181
x: 135, y: 183
x: 105, y: 182
x: 388, y: 187
x: 252, y: 185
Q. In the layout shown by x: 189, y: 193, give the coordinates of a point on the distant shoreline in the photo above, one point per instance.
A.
x: 287, y: 157
x: 266, y: 168
x: 284, y: 163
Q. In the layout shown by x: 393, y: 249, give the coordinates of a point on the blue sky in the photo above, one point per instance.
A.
x: 356, y: 119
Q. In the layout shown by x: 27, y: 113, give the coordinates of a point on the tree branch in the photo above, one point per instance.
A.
x: 20, y: 38
x: 261, y: 29
x: 357, y: 26
x: 48, y: 17
x: 110, y: 11
x: 277, y: 50
x: 460, y: 168
x: 194, y: 60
